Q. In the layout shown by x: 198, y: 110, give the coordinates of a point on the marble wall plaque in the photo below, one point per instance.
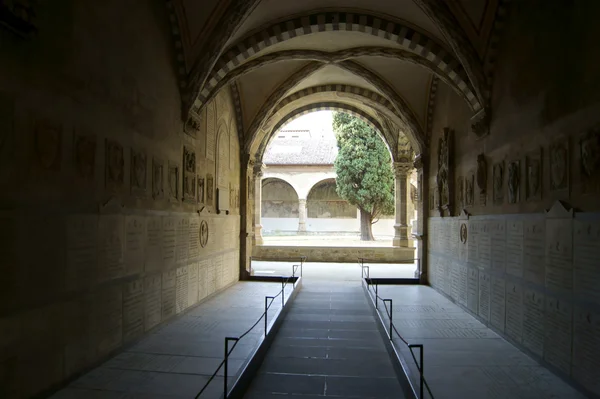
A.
x: 484, y: 296
x: 211, y: 285
x: 514, y: 311
x: 111, y: 243
x: 473, y: 290
x: 498, y: 243
x: 82, y: 246
x: 455, y: 281
x: 586, y: 349
x: 138, y: 171
x: 183, y: 228
x: 463, y: 286
x: 533, y: 176
x: 153, y: 246
x: 181, y: 289
x: 152, y: 300
x: 534, y: 251
x: 559, y: 254
x: 559, y: 334
x: 498, y: 303
x: 219, y: 281
x: 586, y: 254
x: 133, y: 309
x: 194, y: 238
x: 84, y: 155
x: 473, y: 243
x: 192, y: 284
x: 169, y: 239
x: 135, y: 229
x: 107, y: 319
x: 514, y: 248
x: 533, y: 321
x: 202, y: 279
x: 168, y: 294
x: 484, y: 249
x: 454, y: 238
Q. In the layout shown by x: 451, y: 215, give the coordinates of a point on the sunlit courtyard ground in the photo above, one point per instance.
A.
x: 327, y: 241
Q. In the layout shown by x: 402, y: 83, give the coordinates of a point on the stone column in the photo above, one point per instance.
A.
x: 258, y: 174
x: 420, y: 234
x: 301, y: 215
x: 401, y: 172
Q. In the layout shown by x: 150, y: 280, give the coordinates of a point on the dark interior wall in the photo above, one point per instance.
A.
x: 279, y: 199
x: 531, y: 275
x: 99, y: 236
x: 324, y: 202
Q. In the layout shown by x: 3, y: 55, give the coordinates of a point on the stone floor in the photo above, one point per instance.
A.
x: 177, y: 359
x: 328, y: 346
x: 463, y: 358
x: 334, y: 271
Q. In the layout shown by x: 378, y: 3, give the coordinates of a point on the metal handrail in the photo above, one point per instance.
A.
x: 228, y: 350
x: 392, y: 328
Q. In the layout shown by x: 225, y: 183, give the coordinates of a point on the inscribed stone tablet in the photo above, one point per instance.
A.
x: 183, y: 228
x: 533, y: 321
x: 107, y: 316
x: 514, y: 311
x: 181, y: 289
x: 484, y: 249
x: 558, y: 328
x: 219, y: 282
x: 498, y: 242
x: 585, y: 259
x: 169, y: 279
x: 135, y: 227
x: 473, y: 290
x: 455, y: 287
x: 472, y: 243
x: 154, y: 256
x: 514, y: 248
x: 133, y: 309
x: 498, y: 307
x: 484, y: 296
x: 194, y: 238
x: 111, y: 245
x: 586, y: 349
x: 192, y: 283
x: 210, y: 278
x: 82, y: 244
x: 463, y: 285
x: 169, y: 231
x: 152, y: 303
x: 559, y: 255
x: 454, y: 238
x: 202, y: 279
x: 534, y: 251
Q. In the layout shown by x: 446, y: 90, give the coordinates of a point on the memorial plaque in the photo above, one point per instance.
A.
x: 484, y: 296
x: 463, y: 285
x: 211, y: 285
x: 454, y: 238
x: 135, y: 227
x: 586, y: 254
x: 192, y: 284
x: 183, y: 227
x: 133, y: 309
x: 194, y: 238
x: 498, y: 243
x: 219, y: 282
x: 154, y: 240
x: 169, y: 235
x: 152, y: 302
x: 534, y: 257
x: 111, y: 242
x: 211, y: 131
x: 455, y: 285
x: 202, y: 279
x: 514, y: 311
x: 559, y: 334
x: 181, y: 289
x: 82, y: 244
x: 473, y: 291
x: 514, y: 248
x: 586, y: 349
x: 472, y: 243
x: 107, y: 316
x: 559, y: 255
x: 484, y: 249
x: 533, y: 322
x: 498, y: 307
x: 169, y: 279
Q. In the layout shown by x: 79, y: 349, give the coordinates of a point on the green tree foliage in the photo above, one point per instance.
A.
x: 364, y: 170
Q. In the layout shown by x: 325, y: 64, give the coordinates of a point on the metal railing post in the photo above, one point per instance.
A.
x: 376, y: 295
x: 266, y: 314
x: 282, y: 292
x: 225, y: 364
x: 391, y: 318
x: 422, y: 359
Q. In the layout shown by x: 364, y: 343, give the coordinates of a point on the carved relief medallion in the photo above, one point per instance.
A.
x: 157, y: 179
x: 115, y: 165
x: 481, y: 173
x: 189, y: 174
x: 498, y: 180
x: 201, y: 190
x: 470, y: 190
x: 47, y: 144
x: 85, y: 156
x: 463, y: 233
x: 533, y: 176
x: 203, y: 233
x: 514, y: 182
x: 589, y: 147
x: 210, y: 184
x: 173, y: 181
x: 138, y: 170
x: 559, y: 164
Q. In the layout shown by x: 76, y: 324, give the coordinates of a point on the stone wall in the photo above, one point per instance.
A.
x: 103, y: 234
x: 530, y: 274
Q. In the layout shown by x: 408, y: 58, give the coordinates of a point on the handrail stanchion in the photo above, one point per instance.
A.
x: 282, y: 292
x: 390, y: 316
x: 376, y: 295
x: 422, y: 359
x: 225, y: 364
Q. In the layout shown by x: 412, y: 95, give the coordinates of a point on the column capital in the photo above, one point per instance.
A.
x: 401, y: 169
x: 302, y: 200
x: 258, y: 169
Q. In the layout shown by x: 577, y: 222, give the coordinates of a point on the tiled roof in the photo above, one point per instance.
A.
x: 320, y: 150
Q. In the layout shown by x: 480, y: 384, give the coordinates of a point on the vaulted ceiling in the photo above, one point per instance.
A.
x: 376, y: 58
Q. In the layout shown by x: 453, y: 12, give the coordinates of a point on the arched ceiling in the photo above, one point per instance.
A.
x: 374, y: 57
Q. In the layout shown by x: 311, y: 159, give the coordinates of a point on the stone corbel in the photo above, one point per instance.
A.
x: 480, y: 123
